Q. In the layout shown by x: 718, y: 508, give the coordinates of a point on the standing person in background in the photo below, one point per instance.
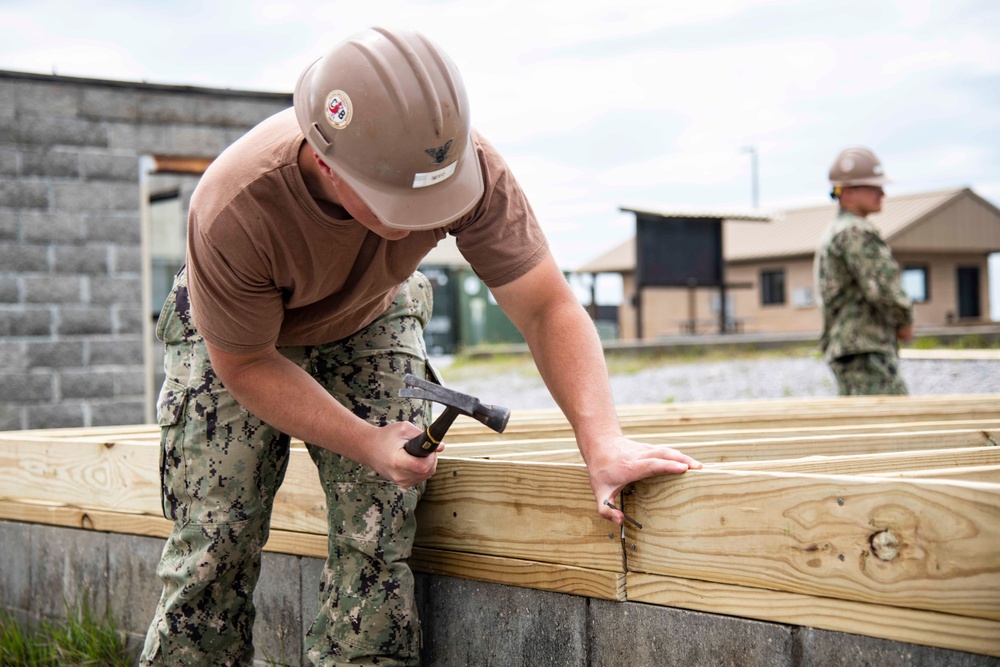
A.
x: 865, y: 311
x: 299, y: 313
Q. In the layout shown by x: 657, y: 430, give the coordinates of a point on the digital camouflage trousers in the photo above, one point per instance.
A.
x: 868, y: 374
x: 221, y: 467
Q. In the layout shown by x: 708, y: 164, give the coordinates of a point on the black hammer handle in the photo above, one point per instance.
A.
x: 428, y: 441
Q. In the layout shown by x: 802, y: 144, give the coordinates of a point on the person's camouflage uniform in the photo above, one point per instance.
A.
x: 863, y: 304
x: 221, y: 467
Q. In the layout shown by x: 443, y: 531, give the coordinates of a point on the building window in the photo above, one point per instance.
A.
x: 914, y: 281
x: 772, y: 287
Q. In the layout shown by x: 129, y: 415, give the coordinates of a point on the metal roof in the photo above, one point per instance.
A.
x: 712, y: 214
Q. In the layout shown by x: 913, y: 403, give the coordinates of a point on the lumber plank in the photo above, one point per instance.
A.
x: 599, y: 584
x: 939, y: 462
x: 927, y: 628
x: 122, y: 522
x: 978, y: 473
x: 533, y: 511
x: 125, y: 476
x: 757, y: 449
x: 923, y: 544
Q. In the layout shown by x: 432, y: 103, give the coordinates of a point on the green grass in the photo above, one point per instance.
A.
x: 79, y: 641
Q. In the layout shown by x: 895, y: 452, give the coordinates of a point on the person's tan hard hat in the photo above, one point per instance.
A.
x: 388, y: 112
x: 857, y: 166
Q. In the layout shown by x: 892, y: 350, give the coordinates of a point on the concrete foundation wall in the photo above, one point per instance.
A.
x: 464, y: 622
x: 71, y: 320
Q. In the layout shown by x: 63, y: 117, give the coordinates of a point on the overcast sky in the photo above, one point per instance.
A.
x: 598, y: 105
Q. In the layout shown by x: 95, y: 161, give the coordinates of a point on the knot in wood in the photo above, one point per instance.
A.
x: 885, y: 545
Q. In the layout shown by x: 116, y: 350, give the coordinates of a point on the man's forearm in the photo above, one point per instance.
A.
x: 569, y: 356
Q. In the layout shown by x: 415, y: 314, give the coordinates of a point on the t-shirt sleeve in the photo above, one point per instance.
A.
x: 500, y: 238
x: 234, y: 301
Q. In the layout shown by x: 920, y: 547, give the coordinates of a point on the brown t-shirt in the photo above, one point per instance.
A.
x: 266, y: 266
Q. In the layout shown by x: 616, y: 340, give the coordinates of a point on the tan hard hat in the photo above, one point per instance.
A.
x: 857, y: 166
x: 388, y: 112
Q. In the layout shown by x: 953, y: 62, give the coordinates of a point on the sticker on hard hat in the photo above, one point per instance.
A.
x: 432, y: 177
x: 338, y: 109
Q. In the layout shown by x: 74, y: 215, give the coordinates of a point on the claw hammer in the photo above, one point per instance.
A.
x: 456, y: 403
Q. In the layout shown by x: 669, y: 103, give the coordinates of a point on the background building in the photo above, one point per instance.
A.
x: 942, y: 241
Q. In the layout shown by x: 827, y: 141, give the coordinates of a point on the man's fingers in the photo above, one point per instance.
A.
x: 674, y: 455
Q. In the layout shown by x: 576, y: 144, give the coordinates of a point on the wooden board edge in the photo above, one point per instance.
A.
x: 928, y: 628
x: 600, y: 584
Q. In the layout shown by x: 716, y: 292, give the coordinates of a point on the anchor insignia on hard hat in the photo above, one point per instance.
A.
x: 440, y: 154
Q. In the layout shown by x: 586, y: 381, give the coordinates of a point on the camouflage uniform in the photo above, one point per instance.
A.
x: 221, y: 468
x: 858, y: 286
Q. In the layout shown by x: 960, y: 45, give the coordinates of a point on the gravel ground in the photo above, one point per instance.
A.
x: 735, y: 380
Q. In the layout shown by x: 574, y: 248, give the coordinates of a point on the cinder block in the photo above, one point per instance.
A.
x: 56, y: 226
x: 168, y: 107
x: 25, y: 387
x: 64, y: 415
x: 12, y: 354
x: 10, y: 291
x: 191, y: 140
x: 75, y: 321
x: 126, y: 259
x: 239, y: 113
x: 82, y: 196
x: 24, y: 257
x: 8, y: 162
x: 133, y: 588
x: 127, y: 318
x: 9, y: 226
x: 824, y: 648
x: 631, y: 633
x: 277, y: 630
x: 15, y: 565
x: 24, y: 194
x: 311, y: 573
x: 101, y: 102
x: 10, y: 419
x: 118, y: 412
x: 473, y: 623
x: 87, y: 384
x: 109, y: 167
x: 25, y: 321
x: 92, y: 259
x: 131, y: 383
x: 58, y: 354
x: 116, y: 352
x: 49, y: 288
x: 67, y: 568
x: 121, y: 228
x: 47, y: 130
x: 122, y: 290
x: 47, y: 98
x: 53, y: 163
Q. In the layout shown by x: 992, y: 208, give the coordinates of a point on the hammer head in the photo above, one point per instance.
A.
x: 492, y: 416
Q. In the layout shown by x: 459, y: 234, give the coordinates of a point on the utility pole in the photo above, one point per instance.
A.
x: 752, y: 150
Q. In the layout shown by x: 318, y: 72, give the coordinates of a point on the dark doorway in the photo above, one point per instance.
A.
x: 968, y: 292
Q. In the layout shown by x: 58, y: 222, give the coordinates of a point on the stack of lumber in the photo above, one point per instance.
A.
x: 878, y: 516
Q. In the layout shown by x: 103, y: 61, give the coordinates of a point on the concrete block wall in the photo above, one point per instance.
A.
x: 71, y: 329
x: 464, y: 622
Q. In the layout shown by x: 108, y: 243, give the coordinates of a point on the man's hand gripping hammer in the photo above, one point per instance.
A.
x: 456, y: 403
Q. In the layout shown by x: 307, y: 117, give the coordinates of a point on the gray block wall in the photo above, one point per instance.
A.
x: 464, y: 622
x: 71, y: 320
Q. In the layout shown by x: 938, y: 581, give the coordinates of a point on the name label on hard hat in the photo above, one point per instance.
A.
x: 432, y: 177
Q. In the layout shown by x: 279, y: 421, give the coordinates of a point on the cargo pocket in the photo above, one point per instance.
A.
x: 170, y: 409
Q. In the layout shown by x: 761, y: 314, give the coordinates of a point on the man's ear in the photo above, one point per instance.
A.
x: 323, y: 166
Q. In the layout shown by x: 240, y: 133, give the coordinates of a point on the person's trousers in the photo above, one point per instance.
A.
x: 868, y: 374
x: 221, y: 467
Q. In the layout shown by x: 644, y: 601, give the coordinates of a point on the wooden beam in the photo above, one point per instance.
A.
x: 176, y: 164
x: 524, y: 573
x: 927, y: 628
x: 937, y: 462
x: 533, y: 511
x: 922, y: 544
